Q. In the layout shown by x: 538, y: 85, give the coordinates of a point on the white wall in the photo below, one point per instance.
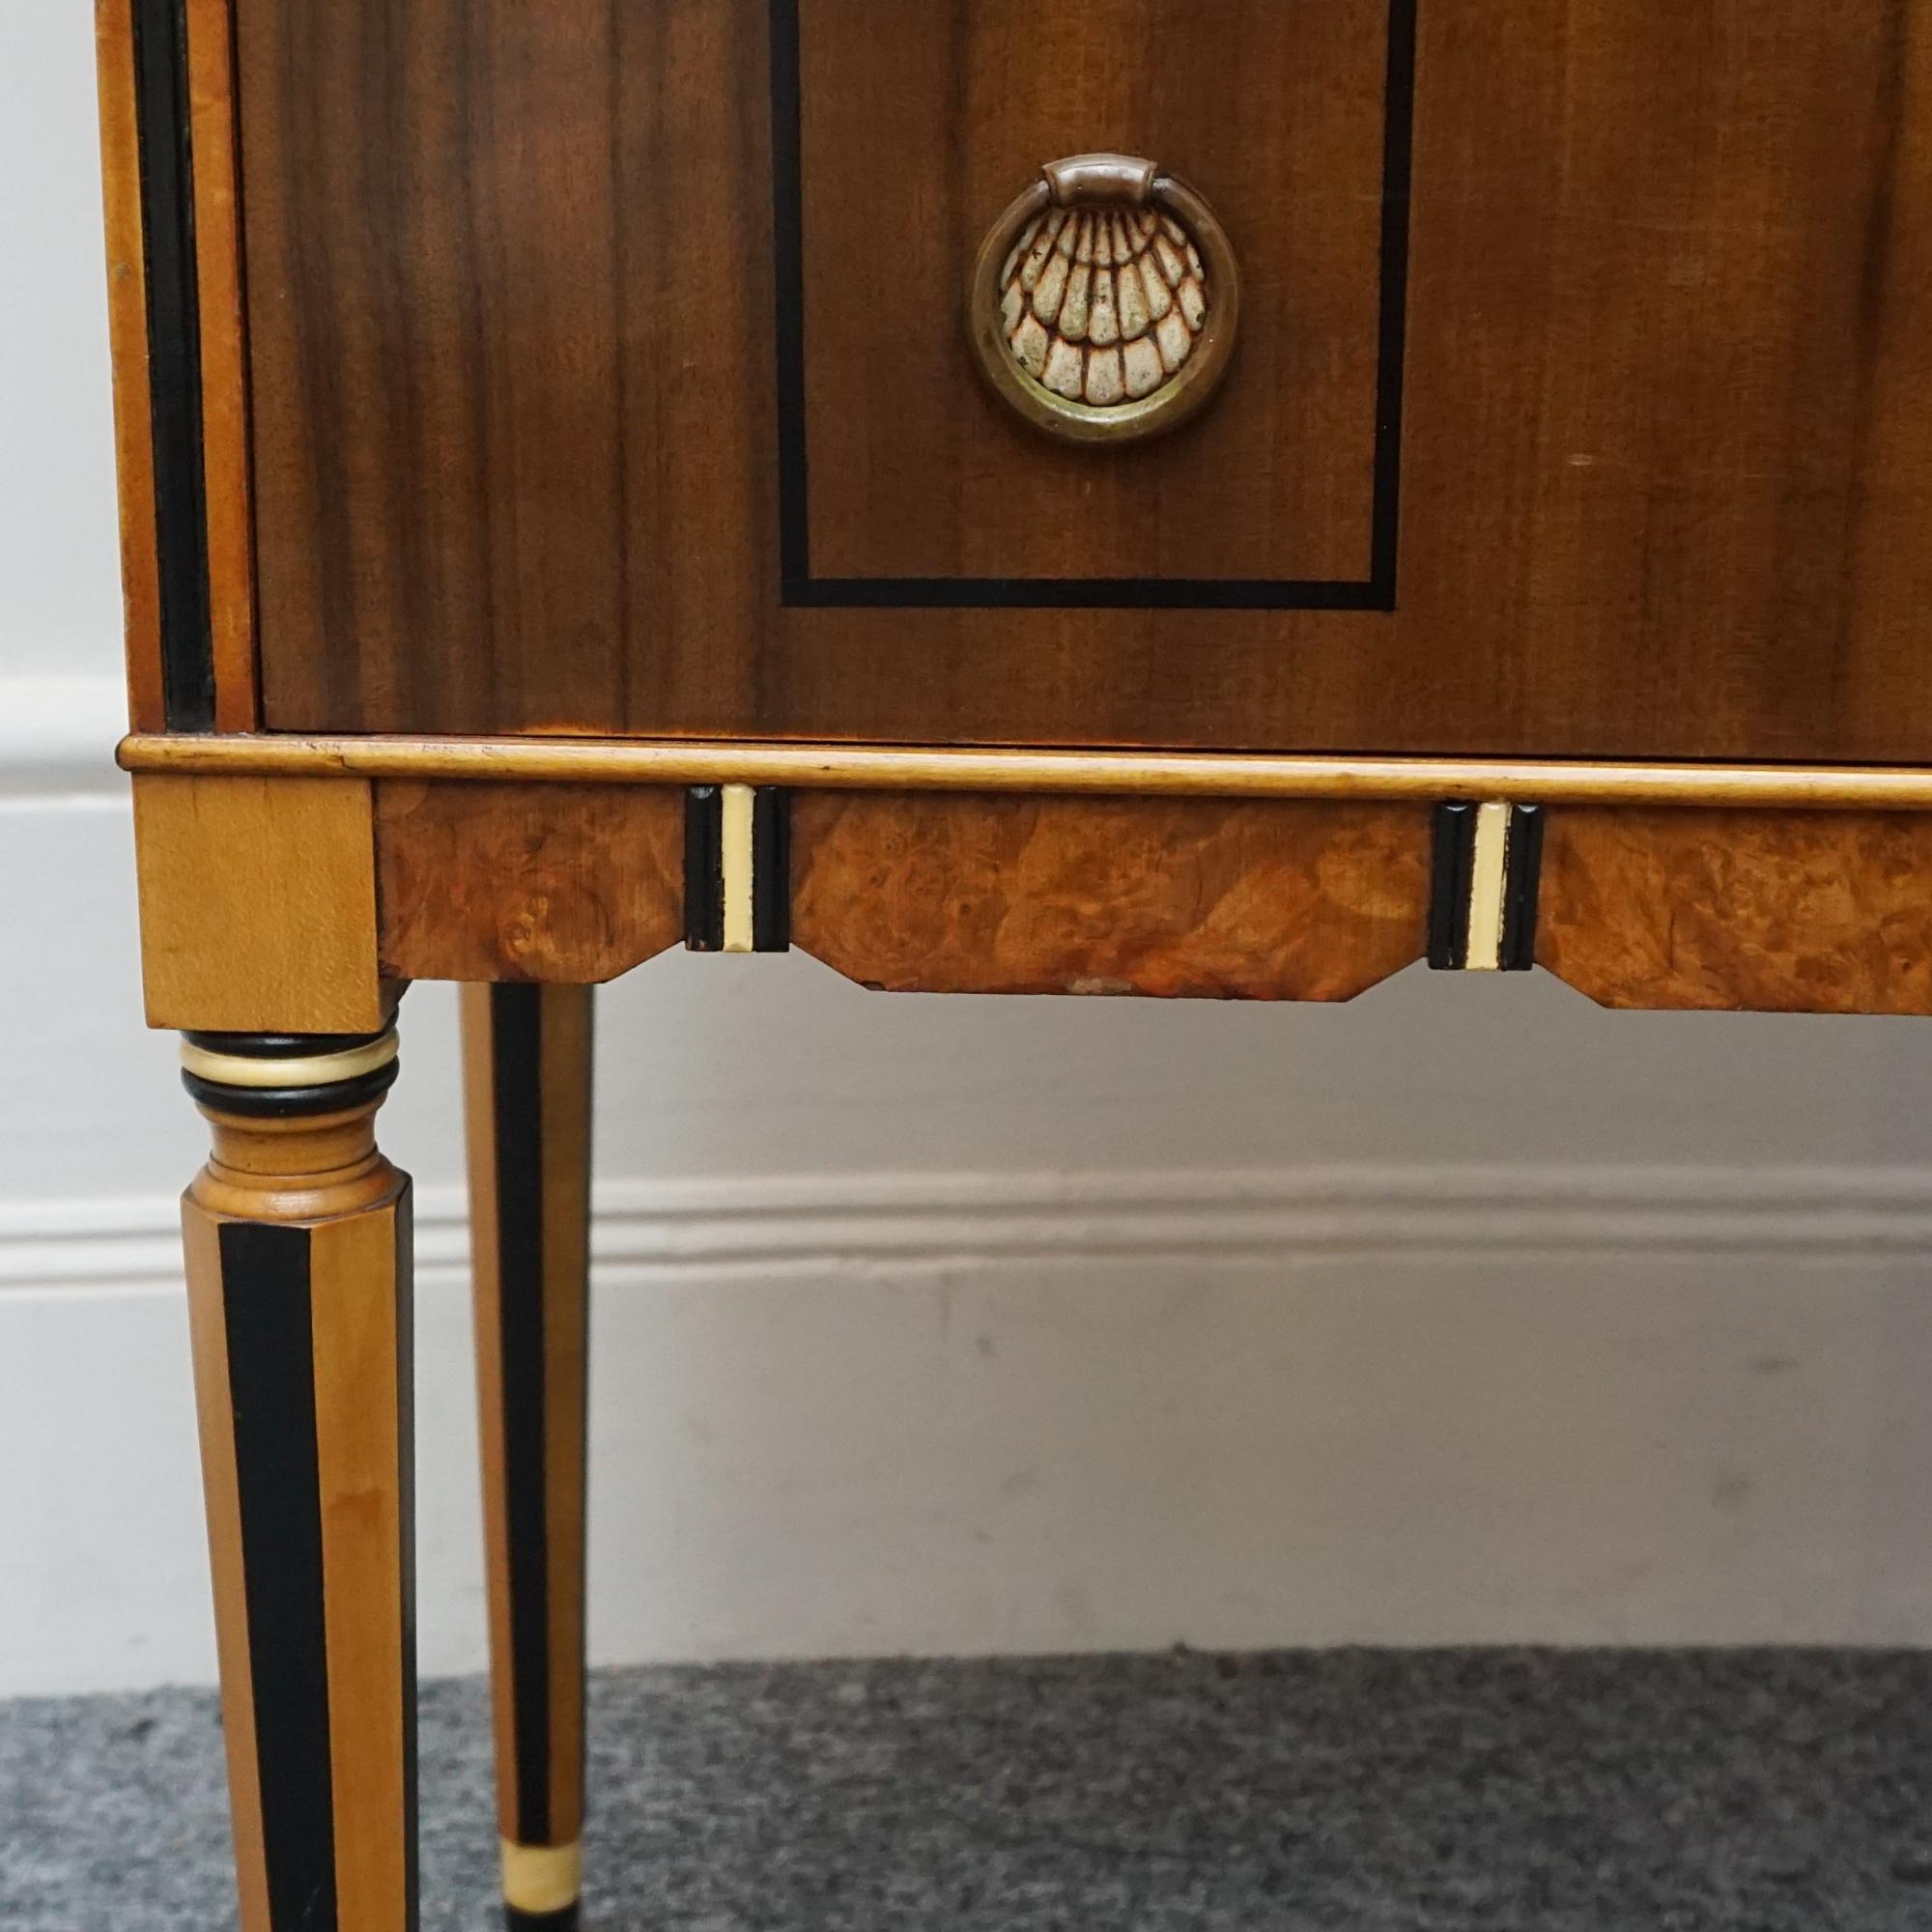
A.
x: 1464, y: 1313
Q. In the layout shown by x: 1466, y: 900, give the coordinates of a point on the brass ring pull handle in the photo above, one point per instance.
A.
x: 1105, y: 301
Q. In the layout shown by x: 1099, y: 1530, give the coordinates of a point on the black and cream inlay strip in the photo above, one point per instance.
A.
x: 287, y: 1074
x: 737, y: 868
x: 1489, y: 861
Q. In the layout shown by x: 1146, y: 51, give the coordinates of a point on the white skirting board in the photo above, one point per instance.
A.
x: 941, y: 1422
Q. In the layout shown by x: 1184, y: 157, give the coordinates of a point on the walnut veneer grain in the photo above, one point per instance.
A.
x: 515, y: 284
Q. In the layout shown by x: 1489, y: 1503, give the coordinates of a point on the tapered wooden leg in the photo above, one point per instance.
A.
x: 297, y: 1242
x: 527, y: 1073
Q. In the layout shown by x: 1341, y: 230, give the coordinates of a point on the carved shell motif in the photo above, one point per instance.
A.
x: 1103, y: 306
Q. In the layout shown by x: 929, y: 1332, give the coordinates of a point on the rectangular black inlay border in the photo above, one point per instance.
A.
x: 800, y: 590
x: 174, y: 362
x: 268, y: 1313
x: 516, y: 1052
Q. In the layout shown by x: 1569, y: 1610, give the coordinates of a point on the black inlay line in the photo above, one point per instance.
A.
x: 268, y: 1316
x: 788, y: 244
x: 281, y: 1103
x: 284, y: 1046
x: 516, y: 1055
x: 174, y: 362
x: 1452, y: 872
x: 800, y: 590
x: 1081, y: 593
x: 704, y: 869
x: 771, y: 869
x: 1398, y: 177
x: 1523, y: 887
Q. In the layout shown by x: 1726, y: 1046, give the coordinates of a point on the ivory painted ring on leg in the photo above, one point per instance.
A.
x: 287, y: 1061
x: 1105, y: 301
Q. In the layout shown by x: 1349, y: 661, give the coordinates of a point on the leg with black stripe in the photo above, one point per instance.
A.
x: 526, y: 1071
x: 297, y: 1241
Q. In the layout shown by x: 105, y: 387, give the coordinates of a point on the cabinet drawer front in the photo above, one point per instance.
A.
x: 608, y: 372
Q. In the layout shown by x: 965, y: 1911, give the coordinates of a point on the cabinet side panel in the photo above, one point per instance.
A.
x: 176, y: 318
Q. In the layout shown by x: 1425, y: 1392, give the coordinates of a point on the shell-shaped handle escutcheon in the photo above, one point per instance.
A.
x: 1105, y: 301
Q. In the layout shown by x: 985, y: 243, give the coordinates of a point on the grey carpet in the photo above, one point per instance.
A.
x: 1769, y: 1791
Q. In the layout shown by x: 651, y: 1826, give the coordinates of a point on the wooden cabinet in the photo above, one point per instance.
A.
x: 1219, y: 498
x: 605, y: 375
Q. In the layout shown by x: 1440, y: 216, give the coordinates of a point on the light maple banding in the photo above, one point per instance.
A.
x: 224, y: 394
x: 259, y: 903
x: 862, y: 767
